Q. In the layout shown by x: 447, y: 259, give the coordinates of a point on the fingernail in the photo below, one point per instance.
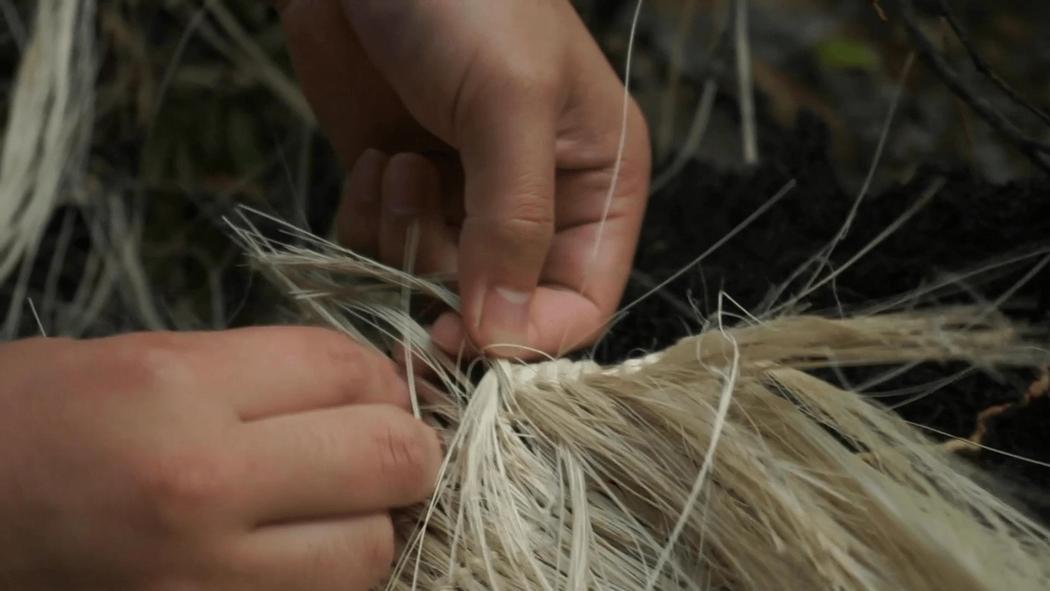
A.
x: 506, y: 315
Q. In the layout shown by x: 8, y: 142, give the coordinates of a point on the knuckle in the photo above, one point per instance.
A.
x: 153, y: 359
x: 336, y: 349
x: 526, y: 81
x: 527, y: 220
x: 330, y: 349
x: 533, y: 78
x: 404, y: 453
x: 183, y: 489
x: 329, y: 346
x: 523, y: 230
x: 540, y: 85
x: 533, y: 206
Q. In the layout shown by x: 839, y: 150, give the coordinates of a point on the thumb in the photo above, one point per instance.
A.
x: 508, y: 158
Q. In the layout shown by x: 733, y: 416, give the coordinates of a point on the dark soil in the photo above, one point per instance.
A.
x: 969, y: 223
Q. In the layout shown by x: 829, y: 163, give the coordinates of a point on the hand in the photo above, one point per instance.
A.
x: 495, y: 126
x: 253, y: 459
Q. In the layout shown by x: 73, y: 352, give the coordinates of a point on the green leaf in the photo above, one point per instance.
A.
x: 847, y: 54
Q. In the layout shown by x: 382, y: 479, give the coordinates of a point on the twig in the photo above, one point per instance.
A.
x: 982, y: 65
x: 1040, y: 388
x: 1037, y: 151
x: 687, y: 19
x: 879, y: 10
x: 693, y: 139
x: 17, y: 28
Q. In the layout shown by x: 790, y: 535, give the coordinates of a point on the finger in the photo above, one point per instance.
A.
x: 341, y: 461
x: 449, y: 333
x: 602, y: 192
x: 599, y: 215
x: 458, y: 351
x: 411, y: 195
x: 592, y: 252
x: 357, y: 220
x: 431, y: 394
x: 450, y: 169
x: 420, y: 368
x: 348, y: 553
x: 270, y: 371
x: 569, y: 321
x: 509, y: 163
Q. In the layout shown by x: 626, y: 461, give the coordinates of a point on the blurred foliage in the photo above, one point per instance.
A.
x: 177, y: 94
x: 840, y: 62
x: 190, y: 128
x: 846, y: 54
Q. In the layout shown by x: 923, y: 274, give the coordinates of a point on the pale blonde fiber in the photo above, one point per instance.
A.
x: 48, y: 130
x: 719, y: 463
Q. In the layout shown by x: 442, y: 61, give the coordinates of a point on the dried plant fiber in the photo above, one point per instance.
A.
x: 46, y: 135
x: 46, y: 124
x: 719, y: 463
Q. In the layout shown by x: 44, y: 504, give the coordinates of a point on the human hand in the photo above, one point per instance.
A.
x: 254, y: 459
x: 503, y: 120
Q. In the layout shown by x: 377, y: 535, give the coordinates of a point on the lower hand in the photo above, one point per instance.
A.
x: 254, y: 459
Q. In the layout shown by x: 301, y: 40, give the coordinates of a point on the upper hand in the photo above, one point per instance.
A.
x: 496, y: 125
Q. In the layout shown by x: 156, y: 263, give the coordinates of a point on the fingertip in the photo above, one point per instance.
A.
x: 451, y: 336
x: 504, y: 324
